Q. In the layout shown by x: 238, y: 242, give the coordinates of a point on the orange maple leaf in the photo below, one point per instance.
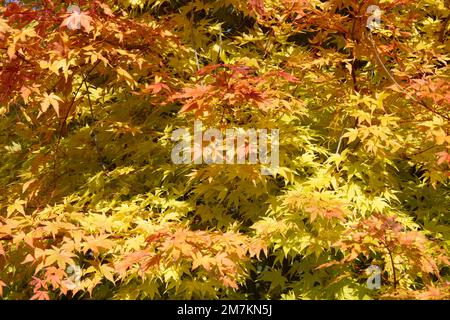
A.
x: 40, y: 295
x: 443, y: 157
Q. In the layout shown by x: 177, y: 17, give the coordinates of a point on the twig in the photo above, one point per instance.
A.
x: 58, y: 142
x: 97, y: 150
x: 408, y: 94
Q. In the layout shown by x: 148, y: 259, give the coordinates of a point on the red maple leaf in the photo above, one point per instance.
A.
x: 443, y: 157
x: 40, y: 295
x: 257, y: 6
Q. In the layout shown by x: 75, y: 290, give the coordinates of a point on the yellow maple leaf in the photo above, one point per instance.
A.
x: 50, y: 100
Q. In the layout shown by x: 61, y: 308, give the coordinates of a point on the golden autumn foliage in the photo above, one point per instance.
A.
x: 92, y: 207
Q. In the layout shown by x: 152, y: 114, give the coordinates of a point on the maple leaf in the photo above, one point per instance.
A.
x: 412, y: 238
x: 443, y: 157
x: 124, y: 74
x: 256, y: 247
x: 257, y: 5
x: 192, y: 105
x: 54, y: 276
x: 155, y: 88
x: 27, y: 184
x: 202, y: 260
x: 156, y: 236
x: 275, y: 278
x: 38, y: 284
x: 102, y: 271
x: 228, y: 282
x: 288, y: 77
x: 16, y: 206
x: 151, y: 262
x: 29, y: 258
x: 62, y: 258
x: 50, y: 100
x: 335, y: 212
x: 106, y: 9
x: 96, y: 243
x: 40, y: 295
x: 193, y: 93
x: 430, y: 294
x: 224, y: 259
x: 25, y: 93
x: 133, y: 258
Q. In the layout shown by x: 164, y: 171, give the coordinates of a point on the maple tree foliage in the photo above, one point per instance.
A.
x: 89, y: 99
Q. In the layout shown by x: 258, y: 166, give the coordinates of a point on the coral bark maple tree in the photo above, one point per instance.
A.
x: 91, y: 205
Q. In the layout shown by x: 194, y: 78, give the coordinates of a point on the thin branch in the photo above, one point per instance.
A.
x: 97, y: 149
x: 408, y: 94
x: 444, y: 30
x: 58, y: 142
x: 394, y: 273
